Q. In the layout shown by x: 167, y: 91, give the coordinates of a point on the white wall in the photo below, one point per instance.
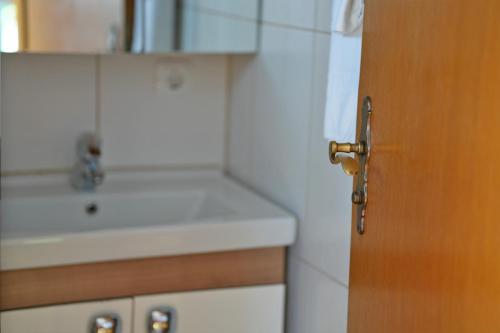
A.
x: 277, y: 147
x: 49, y: 100
x: 220, y: 25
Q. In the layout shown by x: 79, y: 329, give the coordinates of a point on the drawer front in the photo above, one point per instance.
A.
x: 71, y: 318
x: 236, y: 310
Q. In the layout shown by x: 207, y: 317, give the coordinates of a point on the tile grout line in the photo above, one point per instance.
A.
x: 260, y: 19
x: 307, y: 195
x: 97, y: 92
x: 115, y: 168
x: 227, y: 111
x: 319, y: 270
x: 226, y: 15
x: 293, y: 27
x: 313, y: 107
x: 132, y: 315
x: 302, y: 219
x: 312, y: 110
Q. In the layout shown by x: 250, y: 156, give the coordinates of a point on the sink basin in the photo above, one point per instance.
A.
x: 56, y: 215
x: 133, y: 215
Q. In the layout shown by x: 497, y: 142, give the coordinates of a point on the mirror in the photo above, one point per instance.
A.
x: 136, y: 26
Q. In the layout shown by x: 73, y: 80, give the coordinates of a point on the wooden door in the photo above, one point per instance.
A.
x: 429, y: 260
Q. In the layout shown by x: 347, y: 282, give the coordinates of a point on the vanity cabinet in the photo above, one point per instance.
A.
x: 241, y: 310
x: 222, y: 292
x: 69, y: 318
x: 230, y: 310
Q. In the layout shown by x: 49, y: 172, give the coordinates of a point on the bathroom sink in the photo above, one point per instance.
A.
x: 133, y: 215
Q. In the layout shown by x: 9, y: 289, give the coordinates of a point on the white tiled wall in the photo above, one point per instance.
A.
x: 143, y: 126
x: 277, y: 147
x: 49, y: 100
x: 292, y: 13
x: 219, y: 25
x: 325, y: 233
x: 316, y: 304
x: 46, y: 102
x: 323, y: 15
x: 278, y: 97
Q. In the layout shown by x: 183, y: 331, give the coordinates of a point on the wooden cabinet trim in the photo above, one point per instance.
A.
x: 106, y: 280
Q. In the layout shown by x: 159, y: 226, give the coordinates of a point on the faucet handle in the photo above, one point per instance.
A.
x: 89, y: 146
x: 94, y: 150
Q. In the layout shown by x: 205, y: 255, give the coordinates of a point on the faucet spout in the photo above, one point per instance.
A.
x: 87, y: 173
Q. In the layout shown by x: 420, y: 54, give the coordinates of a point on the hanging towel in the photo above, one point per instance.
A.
x: 349, y: 17
x: 343, y: 72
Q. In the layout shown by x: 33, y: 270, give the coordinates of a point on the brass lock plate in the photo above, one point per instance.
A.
x: 360, y: 194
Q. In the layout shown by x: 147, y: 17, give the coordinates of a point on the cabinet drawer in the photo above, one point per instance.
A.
x: 74, y: 318
x: 236, y: 310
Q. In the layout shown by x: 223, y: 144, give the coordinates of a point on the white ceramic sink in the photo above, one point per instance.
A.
x: 133, y: 215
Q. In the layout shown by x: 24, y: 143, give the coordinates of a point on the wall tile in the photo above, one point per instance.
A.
x: 280, y: 80
x: 324, y: 236
x: 277, y: 146
x: 1, y: 60
x: 316, y: 304
x: 297, y: 13
x: 282, y: 116
x: 324, y: 14
x: 242, y: 8
x: 212, y: 33
x: 47, y: 102
x: 144, y: 126
x: 242, y: 105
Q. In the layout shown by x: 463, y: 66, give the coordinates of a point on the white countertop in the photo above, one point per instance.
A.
x: 46, y: 223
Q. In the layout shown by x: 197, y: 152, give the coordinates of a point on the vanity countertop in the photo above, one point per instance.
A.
x: 134, y: 215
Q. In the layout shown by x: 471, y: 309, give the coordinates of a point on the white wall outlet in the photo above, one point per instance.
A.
x: 172, y: 76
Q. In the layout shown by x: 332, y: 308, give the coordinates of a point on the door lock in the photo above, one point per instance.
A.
x: 357, y: 167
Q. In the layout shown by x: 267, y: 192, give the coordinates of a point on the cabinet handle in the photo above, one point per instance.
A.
x: 162, y: 320
x: 107, y: 323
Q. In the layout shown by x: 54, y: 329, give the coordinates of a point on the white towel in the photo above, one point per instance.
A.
x: 349, y: 16
x: 343, y: 73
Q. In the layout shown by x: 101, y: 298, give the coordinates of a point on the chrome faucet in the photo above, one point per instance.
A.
x: 87, y: 173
